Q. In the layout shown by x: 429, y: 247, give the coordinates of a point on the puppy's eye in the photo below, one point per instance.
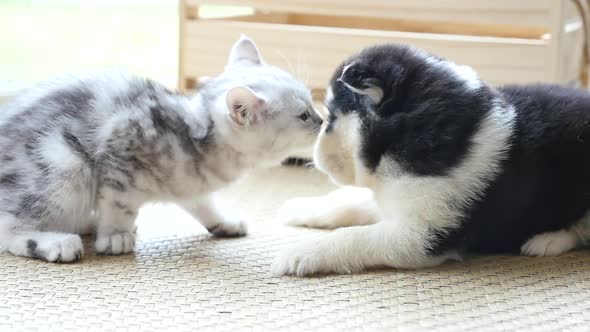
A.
x: 304, y: 116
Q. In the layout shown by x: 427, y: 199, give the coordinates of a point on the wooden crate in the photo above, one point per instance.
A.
x: 505, y: 41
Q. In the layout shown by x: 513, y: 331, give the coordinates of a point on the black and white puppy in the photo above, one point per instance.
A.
x: 454, y: 166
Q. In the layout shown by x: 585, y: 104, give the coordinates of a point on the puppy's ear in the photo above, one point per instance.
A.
x: 244, y: 52
x: 245, y: 107
x: 362, y: 80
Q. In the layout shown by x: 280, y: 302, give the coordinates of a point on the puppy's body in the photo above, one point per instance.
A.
x: 455, y: 165
x: 543, y: 184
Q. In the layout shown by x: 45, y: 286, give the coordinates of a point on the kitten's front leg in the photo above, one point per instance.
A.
x: 354, y: 249
x: 221, y: 224
x: 116, y: 228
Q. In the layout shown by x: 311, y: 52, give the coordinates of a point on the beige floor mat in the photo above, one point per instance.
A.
x: 180, y: 279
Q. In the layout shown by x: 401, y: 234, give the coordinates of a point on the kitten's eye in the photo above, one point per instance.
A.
x: 304, y: 116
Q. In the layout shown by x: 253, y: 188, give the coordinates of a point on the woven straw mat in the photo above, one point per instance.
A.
x: 179, y: 278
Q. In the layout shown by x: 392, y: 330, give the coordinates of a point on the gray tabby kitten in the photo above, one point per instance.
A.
x: 81, y: 155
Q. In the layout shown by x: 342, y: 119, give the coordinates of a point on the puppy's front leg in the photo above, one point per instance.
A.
x: 344, y: 207
x: 355, y: 249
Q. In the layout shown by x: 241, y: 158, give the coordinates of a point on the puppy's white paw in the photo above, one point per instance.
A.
x: 115, y: 244
x: 56, y: 247
x: 229, y: 229
x: 299, y: 212
x: 311, y: 258
x: 550, y: 244
x: 347, y: 206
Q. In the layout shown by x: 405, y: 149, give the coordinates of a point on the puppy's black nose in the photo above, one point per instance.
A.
x: 315, y: 118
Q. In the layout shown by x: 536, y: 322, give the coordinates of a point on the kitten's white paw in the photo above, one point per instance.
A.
x: 311, y: 258
x: 115, y: 244
x: 550, y: 244
x: 56, y: 248
x: 229, y: 229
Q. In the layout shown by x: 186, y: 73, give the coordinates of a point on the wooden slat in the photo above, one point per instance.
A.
x: 423, y: 26
x: 319, y: 50
x: 279, y: 18
x: 488, y: 30
x: 570, y: 48
x: 535, y: 13
x: 181, y: 50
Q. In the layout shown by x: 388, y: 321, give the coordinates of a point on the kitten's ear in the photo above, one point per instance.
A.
x: 245, y: 107
x: 244, y: 51
x: 362, y: 81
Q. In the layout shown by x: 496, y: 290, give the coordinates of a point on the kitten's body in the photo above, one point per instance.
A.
x: 455, y: 166
x: 142, y: 141
x: 82, y: 154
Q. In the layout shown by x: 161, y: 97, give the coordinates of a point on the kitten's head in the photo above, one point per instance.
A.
x: 385, y: 103
x: 260, y: 109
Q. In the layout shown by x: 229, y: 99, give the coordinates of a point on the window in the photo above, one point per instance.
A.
x: 43, y: 38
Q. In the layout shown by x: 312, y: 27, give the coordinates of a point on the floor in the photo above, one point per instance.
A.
x: 179, y: 278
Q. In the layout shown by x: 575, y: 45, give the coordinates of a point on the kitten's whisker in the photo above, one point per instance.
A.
x: 307, y: 71
x: 289, y: 63
x: 298, y: 63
